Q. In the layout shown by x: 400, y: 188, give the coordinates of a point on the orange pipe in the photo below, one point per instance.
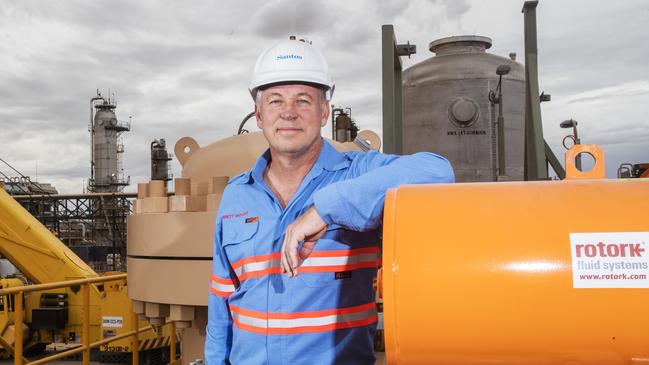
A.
x: 482, y: 273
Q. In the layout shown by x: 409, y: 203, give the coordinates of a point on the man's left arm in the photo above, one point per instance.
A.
x: 357, y: 203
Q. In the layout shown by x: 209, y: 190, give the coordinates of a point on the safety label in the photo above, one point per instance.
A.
x: 112, y: 322
x: 610, y: 260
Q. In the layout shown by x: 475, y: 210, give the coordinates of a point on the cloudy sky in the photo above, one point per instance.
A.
x: 182, y: 68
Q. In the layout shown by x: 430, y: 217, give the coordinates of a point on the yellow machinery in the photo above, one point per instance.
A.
x: 547, y: 272
x: 7, y: 335
x: 55, y: 316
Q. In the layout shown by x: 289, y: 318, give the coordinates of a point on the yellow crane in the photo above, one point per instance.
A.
x: 55, y: 316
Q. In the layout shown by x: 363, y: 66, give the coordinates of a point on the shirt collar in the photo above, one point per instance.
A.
x: 330, y: 159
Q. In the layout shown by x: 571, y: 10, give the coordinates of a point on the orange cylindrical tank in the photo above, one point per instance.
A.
x: 552, y: 272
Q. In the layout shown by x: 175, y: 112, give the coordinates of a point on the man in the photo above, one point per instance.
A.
x: 273, y: 301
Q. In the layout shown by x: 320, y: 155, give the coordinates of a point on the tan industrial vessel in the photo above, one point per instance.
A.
x: 170, y: 242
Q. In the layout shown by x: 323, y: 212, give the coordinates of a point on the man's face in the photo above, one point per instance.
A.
x: 291, y: 116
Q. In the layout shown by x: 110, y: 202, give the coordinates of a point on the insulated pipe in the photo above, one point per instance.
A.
x: 83, y: 230
x: 547, y: 272
x: 243, y: 122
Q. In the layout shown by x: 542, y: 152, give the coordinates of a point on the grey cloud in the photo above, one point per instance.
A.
x: 455, y: 9
x: 204, y: 81
x: 134, y: 19
x: 629, y: 135
x: 279, y: 18
x: 388, y: 9
x: 63, y: 171
x: 585, y: 53
x: 607, y: 97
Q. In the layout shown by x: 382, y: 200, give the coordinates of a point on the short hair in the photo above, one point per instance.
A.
x: 321, y: 97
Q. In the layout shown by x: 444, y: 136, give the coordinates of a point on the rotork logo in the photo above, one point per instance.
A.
x: 610, y: 250
x: 289, y: 57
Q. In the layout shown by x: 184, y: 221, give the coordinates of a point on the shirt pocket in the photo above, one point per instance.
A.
x: 327, y: 278
x: 239, y: 239
x: 320, y: 279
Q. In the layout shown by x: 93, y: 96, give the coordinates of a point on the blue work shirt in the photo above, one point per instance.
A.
x: 327, y: 314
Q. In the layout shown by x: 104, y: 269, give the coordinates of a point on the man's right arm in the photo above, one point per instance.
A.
x: 218, y: 339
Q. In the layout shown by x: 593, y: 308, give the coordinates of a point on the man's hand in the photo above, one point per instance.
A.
x: 309, y: 227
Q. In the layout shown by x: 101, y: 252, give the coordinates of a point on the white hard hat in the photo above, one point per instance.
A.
x: 292, y: 60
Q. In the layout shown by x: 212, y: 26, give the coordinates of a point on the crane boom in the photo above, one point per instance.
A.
x: 33, y: 249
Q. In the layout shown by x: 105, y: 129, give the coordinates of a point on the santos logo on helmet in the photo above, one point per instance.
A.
x: 289, y: 56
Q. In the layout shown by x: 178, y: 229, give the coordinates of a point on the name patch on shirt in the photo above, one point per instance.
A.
x: 343, y: 275
x: 236, y: 215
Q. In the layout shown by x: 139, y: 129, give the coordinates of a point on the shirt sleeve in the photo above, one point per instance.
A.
x: 218, y: 339
x: 357, y: 203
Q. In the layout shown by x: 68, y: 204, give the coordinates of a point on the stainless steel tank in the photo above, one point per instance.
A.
x: 446, y: 108
x: 343, y: 128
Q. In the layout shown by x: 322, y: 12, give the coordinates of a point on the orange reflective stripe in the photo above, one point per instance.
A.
x: 222, y: 281
x: 222, y: 287
x: 220, y: 293
x: 304, y: 322
x: 316, y: 269
x: 334, y: 253
x: 305, y: 329
x: 255, y: 274
x: 309, y: 314
x: 318, y: 261
x: 260, y: 258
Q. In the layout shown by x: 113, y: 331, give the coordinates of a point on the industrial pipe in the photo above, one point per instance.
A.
x: 547, y: 272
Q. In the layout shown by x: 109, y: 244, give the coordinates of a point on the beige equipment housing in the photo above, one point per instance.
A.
x: 169, y: 241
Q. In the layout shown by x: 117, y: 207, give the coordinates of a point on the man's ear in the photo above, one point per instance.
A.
x: 325, y: 113
x: 258, y: 116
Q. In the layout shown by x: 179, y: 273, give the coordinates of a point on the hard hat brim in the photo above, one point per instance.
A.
x: 328, y: 90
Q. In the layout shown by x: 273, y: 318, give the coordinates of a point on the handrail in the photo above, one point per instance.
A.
x: 82, y: 348
x: 61, y: 284
x: 85, y: 347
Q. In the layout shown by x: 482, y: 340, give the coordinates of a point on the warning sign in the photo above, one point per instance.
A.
x: 610, y: 260
x: 112, y: 322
